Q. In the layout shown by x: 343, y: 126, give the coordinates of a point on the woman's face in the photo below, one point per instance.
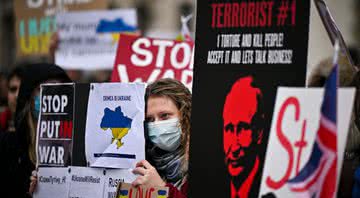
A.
x: 36, y: 92
x: 14, y: 86
x: 161, y: 108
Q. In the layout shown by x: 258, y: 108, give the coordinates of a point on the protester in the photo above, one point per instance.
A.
x: 168, y: 112
x: 352, y: 149
x: 7, y: 116
x: 18, y: 150
x: 3, y: 91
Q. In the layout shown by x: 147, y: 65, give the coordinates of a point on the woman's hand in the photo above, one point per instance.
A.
x: 33, y: 181
x: 148, y: 175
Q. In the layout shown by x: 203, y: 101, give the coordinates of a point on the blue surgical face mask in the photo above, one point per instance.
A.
x: 36, y: 110
x: 165, y: 134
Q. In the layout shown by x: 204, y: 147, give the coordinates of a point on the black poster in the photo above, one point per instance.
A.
x: 55, y: 125
x: 244, y: 50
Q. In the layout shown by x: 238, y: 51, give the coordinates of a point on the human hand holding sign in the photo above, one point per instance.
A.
x: 148, y: 175
x: 33, y: 182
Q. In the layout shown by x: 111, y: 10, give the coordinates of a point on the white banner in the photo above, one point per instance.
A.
x: 86, y: 182
x: 88, y: 39
x: 52, y: 182
x: 80, y: 182
x: 114, y: 135
x: 294, y: 128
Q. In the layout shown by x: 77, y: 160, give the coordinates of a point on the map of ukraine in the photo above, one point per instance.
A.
x: 118, y: 123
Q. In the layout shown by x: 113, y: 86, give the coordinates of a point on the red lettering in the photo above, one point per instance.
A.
x: 250, y: 14
x: 219, y: 15
x: 227, y: 15
x: 66, y: 129
x: 301, y: 144
x: 242, y: 20
x: 235, y: 15
x: 139, y: 192
x: 262, y: 15
x: 130, y: 193
x: 148, y: 192
x: 293, y: 11
x: 213, y: 6
x: 269, y: 8
x: 243, y: 14
x: 284, y: 141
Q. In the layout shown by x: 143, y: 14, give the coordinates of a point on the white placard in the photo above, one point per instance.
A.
x: 114, y: 135
x: 88, y: 39
x: 113, y: 177
x: 86, y: 182
x: 298, y: 124
x: 52, y: 182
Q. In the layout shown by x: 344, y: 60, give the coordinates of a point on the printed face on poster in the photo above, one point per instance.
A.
x: 142, y: 59
x: 294, y: 128
x: 55, y: 124
x: 114, y: 135
x: 35, y: 22
x: 88, y: 39
x: 250, y: 48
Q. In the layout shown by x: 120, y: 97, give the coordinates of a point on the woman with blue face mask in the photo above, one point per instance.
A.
x: 18, y: 149
x: 168, y: 110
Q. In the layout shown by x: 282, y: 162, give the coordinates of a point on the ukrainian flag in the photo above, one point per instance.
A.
x: 123, y: 194
x: 161, y: 194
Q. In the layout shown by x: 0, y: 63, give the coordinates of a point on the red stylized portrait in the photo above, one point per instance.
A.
x: 242, y: 134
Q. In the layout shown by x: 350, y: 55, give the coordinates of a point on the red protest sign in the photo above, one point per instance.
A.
x: 142, y: 59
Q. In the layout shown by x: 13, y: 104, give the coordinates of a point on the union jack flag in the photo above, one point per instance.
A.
x: 318, y: 177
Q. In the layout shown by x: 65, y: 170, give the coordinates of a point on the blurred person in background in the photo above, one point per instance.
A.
x: 7, y: 116
x: 3, y: 91
x: 347, y: 77
x: 18, y: 149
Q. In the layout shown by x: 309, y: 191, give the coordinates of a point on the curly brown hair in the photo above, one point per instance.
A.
x: 181, y: 96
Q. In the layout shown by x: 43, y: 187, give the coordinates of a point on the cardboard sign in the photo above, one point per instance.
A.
x: 88, y: 39
x: 35, y: 22
x: 126, y: 190
x: 141, y: 59
x: 293, y: 131
x: 52, y: 182
x: 244, y: 50
x: 114, y: 135
x: 114, y: 177
x: 55, y: 125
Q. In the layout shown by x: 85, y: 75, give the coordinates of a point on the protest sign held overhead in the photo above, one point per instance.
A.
x: 55, y: 125
x: 35, y: 22
x: 114, y: 134
x: 244, y: 51
x: 294, y: 128
x: 88, y: 39
x: 142, y: 59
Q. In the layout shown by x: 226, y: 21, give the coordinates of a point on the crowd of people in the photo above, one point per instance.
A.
x: 167, y: 128
x: 168, y: 108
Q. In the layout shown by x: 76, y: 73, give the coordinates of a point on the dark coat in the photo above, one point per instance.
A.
x: 14, y: 147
